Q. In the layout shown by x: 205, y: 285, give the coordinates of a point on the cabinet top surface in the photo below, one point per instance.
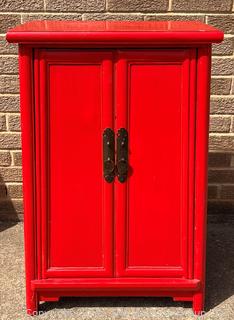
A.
x: 109, y: 26
x: 65, y: 31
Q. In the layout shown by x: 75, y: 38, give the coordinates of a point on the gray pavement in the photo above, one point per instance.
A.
x: 219, y: 293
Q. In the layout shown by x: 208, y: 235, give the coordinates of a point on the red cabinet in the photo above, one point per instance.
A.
x: 114, y: 133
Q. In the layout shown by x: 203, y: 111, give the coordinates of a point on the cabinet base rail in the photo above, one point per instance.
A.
x: 114, y: 283
x: 53, y: 289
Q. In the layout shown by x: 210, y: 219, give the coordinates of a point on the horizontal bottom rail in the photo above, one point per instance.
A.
x: 115, y: 283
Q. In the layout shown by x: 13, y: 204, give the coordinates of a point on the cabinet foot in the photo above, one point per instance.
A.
x: 198, y: 304
x: 32, y: 305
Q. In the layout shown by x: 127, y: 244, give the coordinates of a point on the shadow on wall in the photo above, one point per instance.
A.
x: 9, y: 215
x: 221, y: 186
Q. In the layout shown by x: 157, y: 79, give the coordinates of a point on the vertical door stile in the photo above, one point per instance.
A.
x: 185, y: 87
x: 37, y: 159
x: 42, y: 166
x: 191, y: 160
x: 121, y: 96
x: 108, y: 194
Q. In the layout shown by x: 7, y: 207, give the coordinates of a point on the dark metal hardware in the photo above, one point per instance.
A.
x: 122, y: 154
x: 109, y: 154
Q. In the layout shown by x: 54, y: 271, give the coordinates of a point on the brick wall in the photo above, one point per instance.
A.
x: 218, y: 13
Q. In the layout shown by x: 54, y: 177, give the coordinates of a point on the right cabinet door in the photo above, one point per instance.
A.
x: 155, y: 102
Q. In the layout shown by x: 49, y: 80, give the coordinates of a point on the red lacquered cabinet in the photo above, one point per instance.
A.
x: 114, y: 135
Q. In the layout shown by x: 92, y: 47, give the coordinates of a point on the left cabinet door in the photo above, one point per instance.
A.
x: 73, y: 106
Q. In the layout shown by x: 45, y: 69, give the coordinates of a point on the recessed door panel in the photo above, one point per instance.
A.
x: 152, y: 215
x: 75, y: 108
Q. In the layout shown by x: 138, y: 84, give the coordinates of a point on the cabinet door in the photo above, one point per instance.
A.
x: 154, y: 207
x: 73, y: 107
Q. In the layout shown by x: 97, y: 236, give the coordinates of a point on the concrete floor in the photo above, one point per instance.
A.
x: 219, y: 295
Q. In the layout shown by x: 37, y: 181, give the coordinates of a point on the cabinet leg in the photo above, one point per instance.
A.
x: 198, y: 303
x: 32, y: 304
